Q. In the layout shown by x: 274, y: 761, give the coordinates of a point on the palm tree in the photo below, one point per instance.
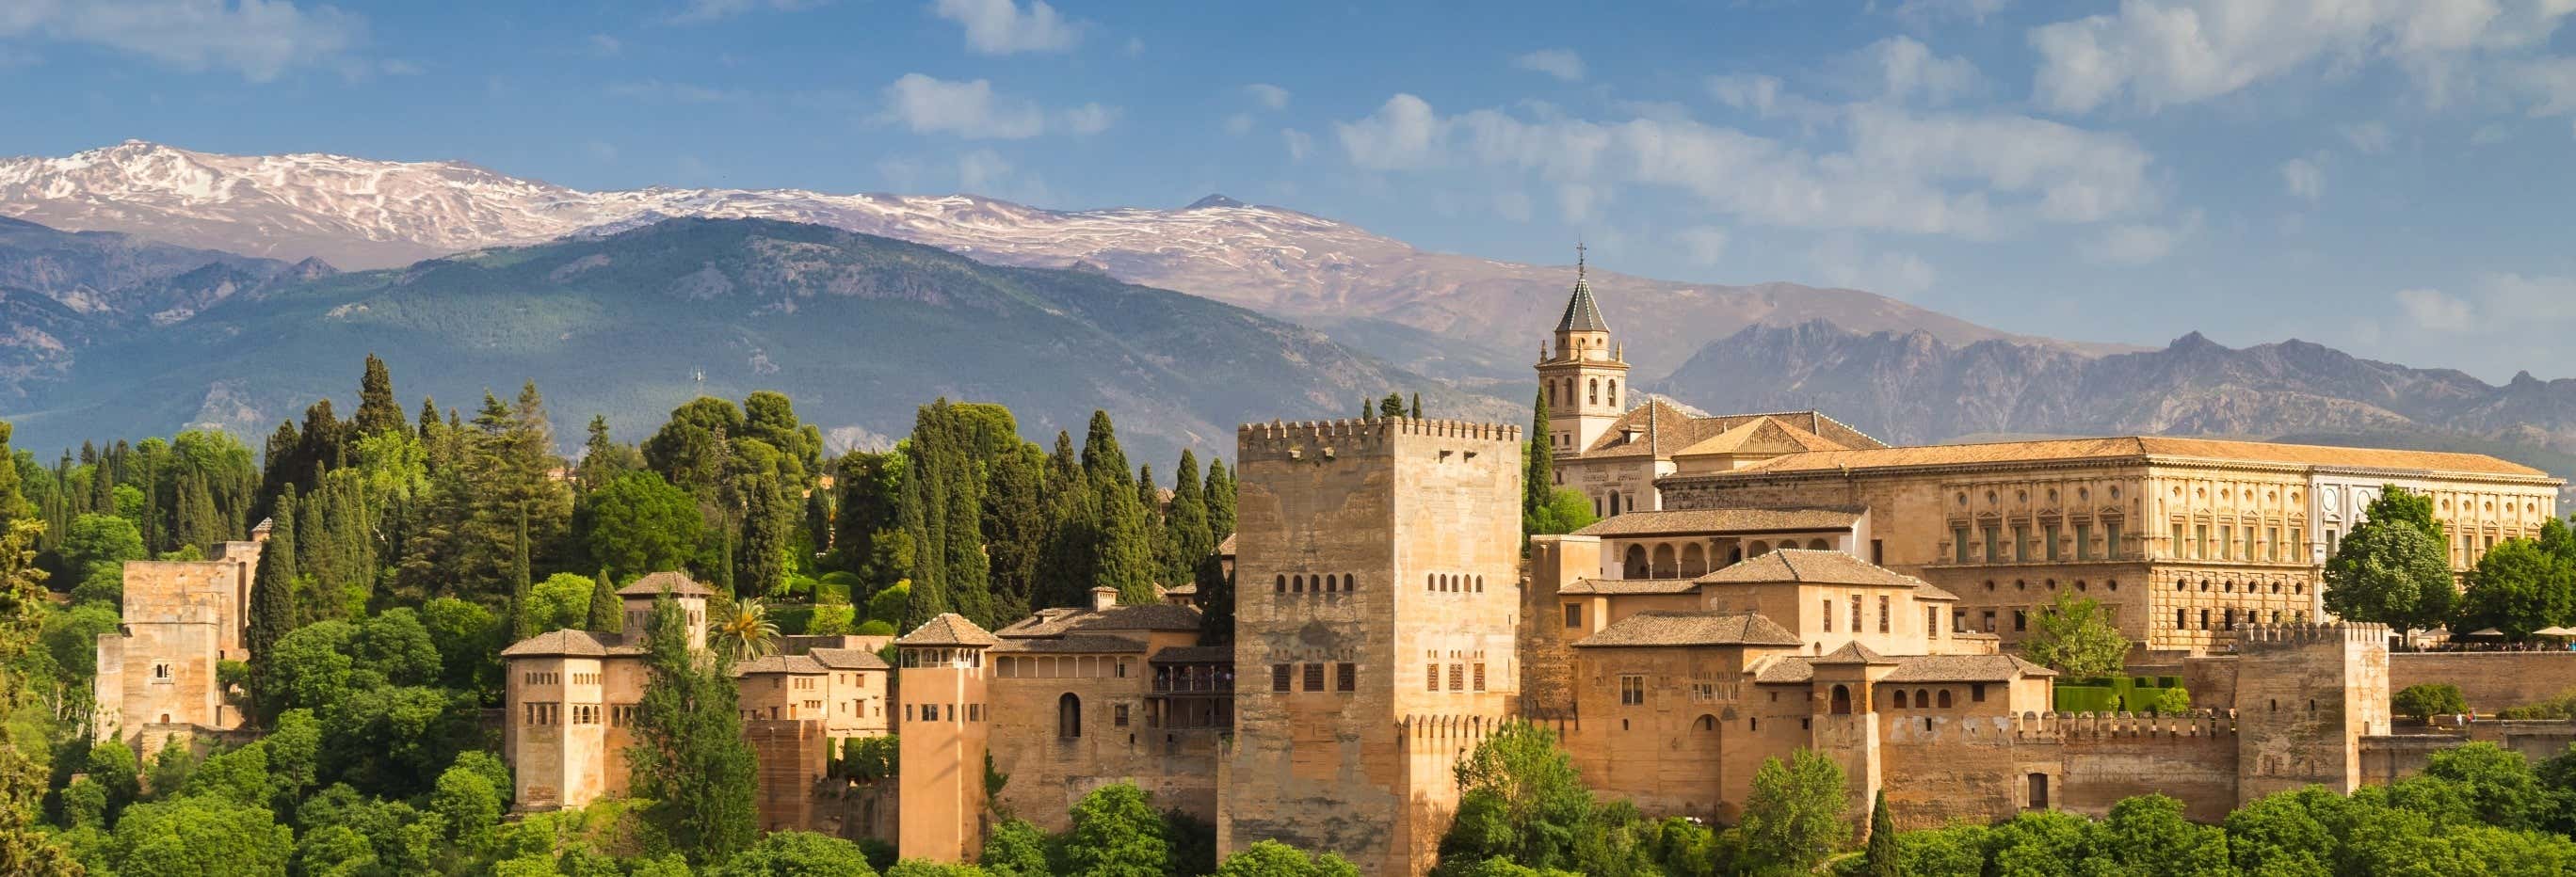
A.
x: 748, y: 633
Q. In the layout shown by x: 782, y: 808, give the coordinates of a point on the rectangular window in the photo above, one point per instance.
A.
x: 1457, y: 677
x: 2272, y: 550
x: 1855, y: 604
x: 2049, y: 548
x: 1117, y: 715
x: 1882, y: 613
x: 2021, y: 543
x: 1994, y: 544
x: 2110, y: 541
x: 1986, y: 621
x: 1278, y: 678
x: 2204, y: 619
x: 1431, y: 677
x: 1314, y: 677
x: 2181, y: 549
x: 1573, y: 615
x: 1931, y: 621
x: 1878, y: 551
x: 2083, y: 542
x: 1632, y: 690
x: 1829, y: 615
x: 1476, y: 673
x: 2021, y: 621
x: 1346, y: 677
x: 1959, y: 542
x: 2200, y: 541
x: 1977, y: 692
x: 2226, y: 542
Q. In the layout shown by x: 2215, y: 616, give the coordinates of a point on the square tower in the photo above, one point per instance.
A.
x: 1581, y: 378
x: 943, y: 737
x: 2305, y: 696
x: 1377, y: 588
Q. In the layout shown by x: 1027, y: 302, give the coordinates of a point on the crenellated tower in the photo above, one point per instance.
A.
x: 1583, y: 376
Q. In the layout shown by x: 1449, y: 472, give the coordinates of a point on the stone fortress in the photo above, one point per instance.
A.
x: 1757, y: 584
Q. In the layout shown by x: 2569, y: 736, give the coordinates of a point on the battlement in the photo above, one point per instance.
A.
x: 1376, y: 428
x: 1445, y: 726
x: 2259, y: 637
x: 2053, y: 727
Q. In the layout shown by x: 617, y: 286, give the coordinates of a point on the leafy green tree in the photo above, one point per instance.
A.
x: 118, y: 772
x: 1952, y: 851
x: 96, y: 548
x: 1187, y: 522
x: 2422, y: 701
x: 1566, y: 511
x: 309, y: 667
x: 1520, y: 799
x: 394, y: 740
x: 689, y: 757
x: 238, y: 775
x: 745, y: 632
x: 603, y: 458
x: 2391, y: 573
x: 1797, y: 812
x: 2499, y: 783
x: 469, y: 639
x: 796, y: 854
x: 294, y: 750
x: 638, y: 524
x: 1116, y: 833
x: 2146, y: 836
x: 2397, y: 504
x: 2040, y: 843
x: 1880, y: 857
x: 84, y: 805
x: 468, y: 808
x: 607, y: 610
x: 1271, y: 858
x: 1016, y: 848
x: 203, y: 835
x: 2074, y: 636
x: 561, y: 601
x: 928, y: 868
x: 2517, y: 588
x: 1391, y: 406
x: 395, y: 646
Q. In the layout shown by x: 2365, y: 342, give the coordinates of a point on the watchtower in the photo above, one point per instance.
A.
x: 945, y: 733
x: 2305, y: 695
x: 1377, y: 577
x: 1581, y: 377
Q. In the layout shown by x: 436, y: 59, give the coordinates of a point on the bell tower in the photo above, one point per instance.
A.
x: 1583, y: 376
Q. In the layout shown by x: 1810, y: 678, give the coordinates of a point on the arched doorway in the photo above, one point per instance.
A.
x: 1841, y: 705
x: 1694, y: 561
x: 1634, y: 563
x: 1664, y: 566
x: 1068, y: 716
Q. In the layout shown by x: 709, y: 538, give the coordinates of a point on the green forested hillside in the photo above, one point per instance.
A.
x: 858, y: 329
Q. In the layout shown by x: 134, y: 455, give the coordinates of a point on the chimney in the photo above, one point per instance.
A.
x: 1102, y: 598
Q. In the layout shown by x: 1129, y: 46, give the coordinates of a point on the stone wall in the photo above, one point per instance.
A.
x: 793, y: 754
x: 1050, y: 772
x: 2490, y: 680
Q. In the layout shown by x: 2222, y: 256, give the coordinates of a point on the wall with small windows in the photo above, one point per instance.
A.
x: 1065, y: 723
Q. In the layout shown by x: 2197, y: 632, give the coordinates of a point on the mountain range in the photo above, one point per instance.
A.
x: 176, y: 270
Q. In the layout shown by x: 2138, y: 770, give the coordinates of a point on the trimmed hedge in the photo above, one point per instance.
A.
x: 2135, y: 694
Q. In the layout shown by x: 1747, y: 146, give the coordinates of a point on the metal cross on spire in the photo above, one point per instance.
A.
x: 1578, y: 258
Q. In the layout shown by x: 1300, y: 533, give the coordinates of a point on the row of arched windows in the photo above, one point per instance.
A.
x: 2080, y: 584
x: 1328, y: 583
x: 1453, y: 584
x: 2228, y: 618
x: 1923, y: 700
x: 2250, y: 587
x: 1562, y: 392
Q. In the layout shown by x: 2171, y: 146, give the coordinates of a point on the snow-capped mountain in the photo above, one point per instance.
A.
x: 360, y: 213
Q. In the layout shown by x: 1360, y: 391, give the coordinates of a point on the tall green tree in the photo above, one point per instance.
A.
x: 24, y: 848
x: 607, y: 611
x: 1220, y: 502
x: 272, y: 593
x: 1391, y: 406
x: 1880, y: 858
x: 2074, y: 635
x: 2392, y: 572
x: 689, y: 757
x: 603, y: 458
x: 2517, y: 588
x: 1123, y: 540
x: 1187, y: 524
x: 1519, y: 799
x: 1417, y: 406
x: 378, y: 413
x: 1797, y: 813
x: 1015, y: 521
x: 1538, y: 463
x: 639, y: 524
x: 1116, y: 833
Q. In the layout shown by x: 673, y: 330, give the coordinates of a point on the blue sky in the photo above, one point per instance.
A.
x: 2387, y: 176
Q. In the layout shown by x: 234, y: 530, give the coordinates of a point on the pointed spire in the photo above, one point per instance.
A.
x: 1581, y: 314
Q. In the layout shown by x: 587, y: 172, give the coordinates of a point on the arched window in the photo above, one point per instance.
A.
x: 1614, y: 392
x: 1596, y: 391
x: 1707, y: 722
x: 1757, y: 548
x: 1664, y: 566
x: 1634, y: 566
x: 1297, y: 584
x: 1480, y: 584
x: 1818, y: 545
x: 1694, y: 561
x: 1068, y: 716
x: 1614, y: 503
x: 1900, y: 698
x: 1922, y: 699
x: 1944, y: 698
x: 1430, y: 582
x: 1841, y: 704
x: 1282, y: 585
x: 1332, y: 583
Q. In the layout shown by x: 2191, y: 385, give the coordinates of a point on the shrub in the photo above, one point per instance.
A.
x: 2423, y: 702
x: 2560, y: 707
x: 867, y: 759
x: 831, y: 619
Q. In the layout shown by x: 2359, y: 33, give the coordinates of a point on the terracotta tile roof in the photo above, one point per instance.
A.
x: 1194, y: 655
x: 1187, y: 590
x: 948, y: 629
x: 1760, y: 435
x: 1663, y: 427
x: 1610, y: 587
x: 679, y: 583
x: 1145, y: 617
x: 1698, y: 627
x: 1785, y: 669
x: 2140, y: 448
x: 1811, y: 567
x: 1929, y: 591
x: 1853, y: 653
x: 1729, y: 520
x: 849, y: 659
x: 1082, y: 643
x: 1964, y: 668
x: 569, y: 643
x: 1226, y: 547
x: 796, y: 664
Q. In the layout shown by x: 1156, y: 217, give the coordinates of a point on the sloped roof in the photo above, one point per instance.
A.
x: 1809, y: 566
x: 679, y: 584
x: 848, y: 659
x: 1082, y: 643
x: 1964, y: 668
x: 1194, y: 655
x: 2140, y: 448
x: 1729, y: 520
x: 569, y: 643
x: 1611, y: 587
x: 1141, y: 617
x: 1785, y: 669
x: 797, y: 664
x: 1761, y: 435
x: 1226, y: 547
x: 1694, y: 627
x: 1661, y: 426
x: 947, y: 629
x: 1582, y: 314
x: 1853, y: 653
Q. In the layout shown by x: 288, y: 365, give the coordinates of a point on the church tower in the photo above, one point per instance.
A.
x: 1582, y: 376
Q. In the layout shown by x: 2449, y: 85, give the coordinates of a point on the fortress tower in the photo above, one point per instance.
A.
x: 945, y: 735
x: 1374, y: 612
x: 1582, y: 376
x: 2305, y: 696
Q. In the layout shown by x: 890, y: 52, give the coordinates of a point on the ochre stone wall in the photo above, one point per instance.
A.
x: 2489, y: 680
x: 1050, y: 772
x: 793, y: 754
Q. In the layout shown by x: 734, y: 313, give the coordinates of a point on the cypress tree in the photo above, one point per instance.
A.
x: 1015, y: 529
x: 768, y: 523
x: 1368, y: 408
x: 690, y: 757
x: 607, y: 613
x: 377, y: 412
x: 1538, y: 463
x: 1391, y: 406
x: 1068, y: 559
x: 519, y: 581
x: 1220, y: 502
x: 272, y: 595
x: 1880, y: 856
x: 1186, y: 526
x: 1123, y: 539
x: 102, y: 488
x: 428, y: 417
x: 1417, y: 406
x: 314, y: 550
x: 1101, y: 458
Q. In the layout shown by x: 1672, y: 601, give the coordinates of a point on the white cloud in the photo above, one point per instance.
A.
x: 2139, y: 243
x: 1269, y: 96
x: 1924, y: 12
x: 1298, y: 143
x: 1705, y: 244
x: 1561, y: 63
x: 979, y: 171
x: 1841, y: 261
x: 2367, y: 138
x: 696, y: 11
x: 1904, y: 68
x: 1001, y: 27
x: 675, y: 92
x: 971, y: 109
x: 1746, y: 92
x: 2550, y: 84
x: 1965, y: 175
x: 2159, y: 53
x: 2434, y: 310
x: 258, y: 39
x: 2304, y: 178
